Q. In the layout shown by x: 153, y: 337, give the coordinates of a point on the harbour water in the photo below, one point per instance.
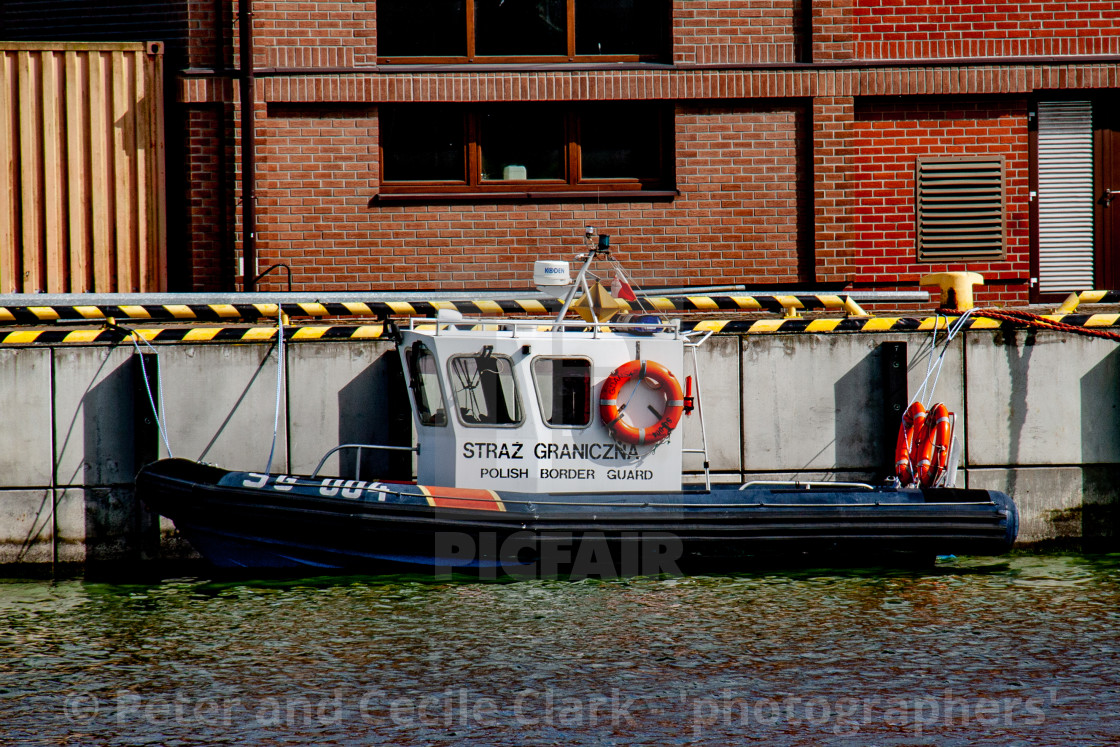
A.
x: 1022, y: 650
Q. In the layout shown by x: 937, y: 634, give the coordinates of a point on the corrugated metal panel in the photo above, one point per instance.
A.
x: 81, y: 146
x: 1065, y: 196
x: 960, y: 208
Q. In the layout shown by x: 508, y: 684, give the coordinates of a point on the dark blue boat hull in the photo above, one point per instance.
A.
x: 298, y: 523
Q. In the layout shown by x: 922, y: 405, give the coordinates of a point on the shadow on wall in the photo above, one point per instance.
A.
x: 1100, y: 442
x: 373, y: 408
x: 859, y: 414
x: 117, y: 526
x: 1018, y: 366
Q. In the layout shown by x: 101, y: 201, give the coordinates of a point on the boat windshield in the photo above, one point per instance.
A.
x: 423, y: 377
x: 563, y: 390
x: 484, y: 389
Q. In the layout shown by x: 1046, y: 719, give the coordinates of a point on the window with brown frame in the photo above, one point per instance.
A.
x: 524, y: 149
x: 466, y: 31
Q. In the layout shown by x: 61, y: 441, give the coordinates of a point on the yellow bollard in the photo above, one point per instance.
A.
x: 956, y: 288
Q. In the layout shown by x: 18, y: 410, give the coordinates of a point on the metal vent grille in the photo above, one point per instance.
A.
x: 960, y: 208
x: 1065, y: 196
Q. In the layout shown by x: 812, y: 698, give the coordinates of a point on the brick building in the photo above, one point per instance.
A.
x: 775, y: 143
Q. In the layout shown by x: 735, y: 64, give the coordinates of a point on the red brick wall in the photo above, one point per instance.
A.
x: 735, y: 220
x: 730, y: 31
x: 202, y: 36
x: 208, y: 182
x: 316, y: 171
x: 888, y: 138
x: 889, y: 29
x: 745, y: 206
x: 307, y: 34
x: 833, y: 39
x: 832, y: 166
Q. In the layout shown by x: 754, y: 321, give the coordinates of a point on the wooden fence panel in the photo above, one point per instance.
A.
x: 9, y: 254
x: 77, y: 170
x: 82, y: 205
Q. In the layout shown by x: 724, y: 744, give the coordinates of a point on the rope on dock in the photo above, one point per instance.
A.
x: 1054, y: 322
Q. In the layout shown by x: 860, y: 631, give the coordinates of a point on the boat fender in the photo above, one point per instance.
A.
x: 654, y: 375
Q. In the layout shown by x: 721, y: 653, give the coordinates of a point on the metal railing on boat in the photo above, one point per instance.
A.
x: 515, y: 327
x: 358, y: 461
x: 799, y: 485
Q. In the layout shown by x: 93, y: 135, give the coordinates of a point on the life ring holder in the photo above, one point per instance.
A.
x: 611, y: 412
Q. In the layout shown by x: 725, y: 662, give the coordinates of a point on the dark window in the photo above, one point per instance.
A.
x: 419, y: 28
x: 484, y: 389
x: 619, y: 27
x: 423, y: 379
x: 521, y: 143
x: 424, y: 143
x: 439, y: 148
x: 564, y: 390
x: 520, y: 28
x: 532, y: 30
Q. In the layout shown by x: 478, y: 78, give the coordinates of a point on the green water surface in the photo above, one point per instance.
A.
x: 1022, y: 650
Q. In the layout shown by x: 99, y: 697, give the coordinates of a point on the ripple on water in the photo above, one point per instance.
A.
x: 1009, y: 651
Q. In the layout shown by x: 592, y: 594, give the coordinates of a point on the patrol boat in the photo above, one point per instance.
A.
x: 555, y: 447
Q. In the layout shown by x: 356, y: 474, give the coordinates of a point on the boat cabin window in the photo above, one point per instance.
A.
x: 483, y: 388
x: 563, y: 390
x: 423, y: 378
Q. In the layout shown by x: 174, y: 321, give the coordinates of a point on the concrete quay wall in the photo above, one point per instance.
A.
x: 1036, y: 411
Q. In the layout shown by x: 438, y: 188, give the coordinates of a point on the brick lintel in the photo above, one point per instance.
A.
x: 950, y: 78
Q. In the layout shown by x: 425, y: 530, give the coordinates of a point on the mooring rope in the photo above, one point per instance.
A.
x: 279, y: 384
x: 159, y: 414
x: 933, y: 368
x: 1037, y: 320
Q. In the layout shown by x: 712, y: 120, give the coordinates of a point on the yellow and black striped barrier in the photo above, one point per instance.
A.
x: 789, y: 304
x: 323, y: 333
x: 252, y: 311
x: 191, y: 334
x: 883, y: 324
x: 1091, y: 296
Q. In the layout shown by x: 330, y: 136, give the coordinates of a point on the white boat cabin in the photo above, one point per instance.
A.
x: 517, y: 405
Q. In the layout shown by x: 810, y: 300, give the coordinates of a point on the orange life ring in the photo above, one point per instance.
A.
x: 908, y: 436
x: 611, y: 412
x: 922, y: 452
x: 935, y: 444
